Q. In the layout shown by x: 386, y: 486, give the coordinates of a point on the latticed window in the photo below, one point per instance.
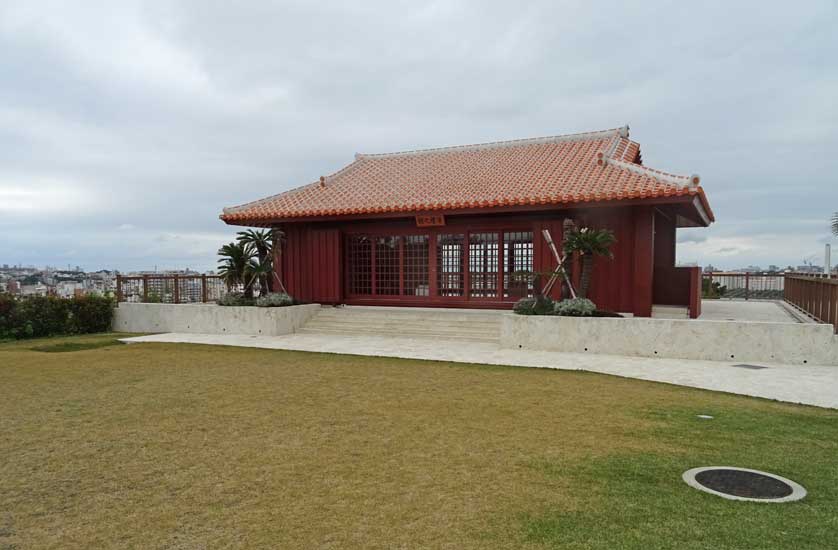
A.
x: 449, y: 248
x: 387, y: 265
x: 359, y: 260
x: 517, y: 264
x: 416, y: 259
x: 483, y: 265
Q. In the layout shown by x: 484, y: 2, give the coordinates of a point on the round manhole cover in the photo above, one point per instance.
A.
x: 744, y: 484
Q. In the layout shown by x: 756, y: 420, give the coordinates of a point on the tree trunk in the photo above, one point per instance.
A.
x: 587, y: 268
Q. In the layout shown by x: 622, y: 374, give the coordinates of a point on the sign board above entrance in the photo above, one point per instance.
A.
x: 430, y: 220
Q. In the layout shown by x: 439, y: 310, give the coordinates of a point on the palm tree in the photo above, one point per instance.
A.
x: 237, y: 263
x: 589, y: 243
x: 261, y: 242
x: 835, y: 224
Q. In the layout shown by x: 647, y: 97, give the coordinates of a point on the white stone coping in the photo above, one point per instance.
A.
x: 212, y: 319
x: 730, y: 341
x: 798, y: 491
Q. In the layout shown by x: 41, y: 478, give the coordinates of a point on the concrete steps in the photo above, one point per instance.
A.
x: 424, y: 323
x: 670, y: 312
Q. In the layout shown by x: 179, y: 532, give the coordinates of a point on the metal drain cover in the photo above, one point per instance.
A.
x: 744, y: 484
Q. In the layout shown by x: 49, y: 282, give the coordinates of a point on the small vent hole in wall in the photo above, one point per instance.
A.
x: 586, y: 349
x: 656, y: 352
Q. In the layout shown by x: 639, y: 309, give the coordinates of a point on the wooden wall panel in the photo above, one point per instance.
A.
x: 312, y: 261
x: 664, y: 240
x: 644, y: 260
x: 612, y: 279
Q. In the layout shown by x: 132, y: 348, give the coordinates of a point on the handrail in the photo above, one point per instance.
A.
x: 175, y: 288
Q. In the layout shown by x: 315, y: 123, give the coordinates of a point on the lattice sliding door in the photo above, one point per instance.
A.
x: 483, y: 265
x: 450, y: 250
x: 387, y: 265
x: 517, y: 264
x: 359, y: 264
x: 416, y: 261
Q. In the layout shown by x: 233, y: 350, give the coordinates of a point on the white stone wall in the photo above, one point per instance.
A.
x: 736, y: 341
x: 211, y: 319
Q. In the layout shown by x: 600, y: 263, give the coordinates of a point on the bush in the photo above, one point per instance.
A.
x: 538, y: 305
x: 575, y: 307
x: 8, y: 316
x: 235, y: 299
x: 42, y: 316
x: 90, y: 314
x: 38, y: 316
x: 275, y: 299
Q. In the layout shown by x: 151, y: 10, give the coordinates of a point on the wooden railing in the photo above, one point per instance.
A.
x: 170, y: 289
x: 817, y: 296
x: 750, y: 286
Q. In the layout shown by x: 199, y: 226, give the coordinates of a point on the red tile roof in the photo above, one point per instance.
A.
x: 575, y: 168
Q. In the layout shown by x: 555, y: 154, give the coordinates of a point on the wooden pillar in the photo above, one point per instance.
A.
x: 644, y: 259
x: 119, y: 297
x: 432, y: 267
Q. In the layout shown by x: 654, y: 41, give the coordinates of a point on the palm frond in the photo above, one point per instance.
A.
x: 593, y: 242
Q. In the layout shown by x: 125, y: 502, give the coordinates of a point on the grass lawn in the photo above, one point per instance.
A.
x: 182, y: 446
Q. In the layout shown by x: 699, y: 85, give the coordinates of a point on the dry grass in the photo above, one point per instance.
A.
x: 179, y: 446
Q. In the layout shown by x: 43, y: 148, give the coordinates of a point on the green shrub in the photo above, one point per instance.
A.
x: 8, y: 317
x: 275, y: 299
x: 38, y: 316
x: 235, y: 299
x: 538, y: 305
x: 575, y: 307
x: 90, y: 314
x: 42, y: 316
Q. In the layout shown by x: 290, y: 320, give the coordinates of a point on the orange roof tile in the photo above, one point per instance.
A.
x: 575, y: 168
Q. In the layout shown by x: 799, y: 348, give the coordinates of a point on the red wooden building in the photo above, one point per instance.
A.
x: 450, y: 226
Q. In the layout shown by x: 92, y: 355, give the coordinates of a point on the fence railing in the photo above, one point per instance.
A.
x: 170, y: 289
x: 749, y: 286
x: 817, y: 296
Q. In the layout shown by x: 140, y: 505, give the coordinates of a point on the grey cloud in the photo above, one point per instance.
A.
x: 157, y: 114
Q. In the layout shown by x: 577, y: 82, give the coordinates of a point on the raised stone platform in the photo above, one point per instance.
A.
x: 741, y: 341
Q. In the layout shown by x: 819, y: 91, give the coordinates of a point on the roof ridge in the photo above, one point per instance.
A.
x: 691, y: 181
x: 582, y: 136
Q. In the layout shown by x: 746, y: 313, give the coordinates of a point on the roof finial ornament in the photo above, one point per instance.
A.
x: 322, y: 181
x: 624, y: 131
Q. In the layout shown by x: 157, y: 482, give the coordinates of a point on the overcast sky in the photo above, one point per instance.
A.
x: 126, y: 126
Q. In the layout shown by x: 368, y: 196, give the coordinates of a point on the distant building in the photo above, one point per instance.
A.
x: 39, y: 289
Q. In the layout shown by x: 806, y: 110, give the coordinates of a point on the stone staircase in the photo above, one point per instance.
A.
x: 670, y: 312
x: 407, y: 322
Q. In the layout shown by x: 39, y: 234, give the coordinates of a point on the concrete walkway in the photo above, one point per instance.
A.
x: 810, y: 385
x: 761, y: 311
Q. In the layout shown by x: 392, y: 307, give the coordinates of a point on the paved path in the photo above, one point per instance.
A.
x: 771, y: 311
x: 811, y: 385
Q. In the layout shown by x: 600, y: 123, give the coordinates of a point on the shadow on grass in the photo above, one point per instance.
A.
x: 64, y: 347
